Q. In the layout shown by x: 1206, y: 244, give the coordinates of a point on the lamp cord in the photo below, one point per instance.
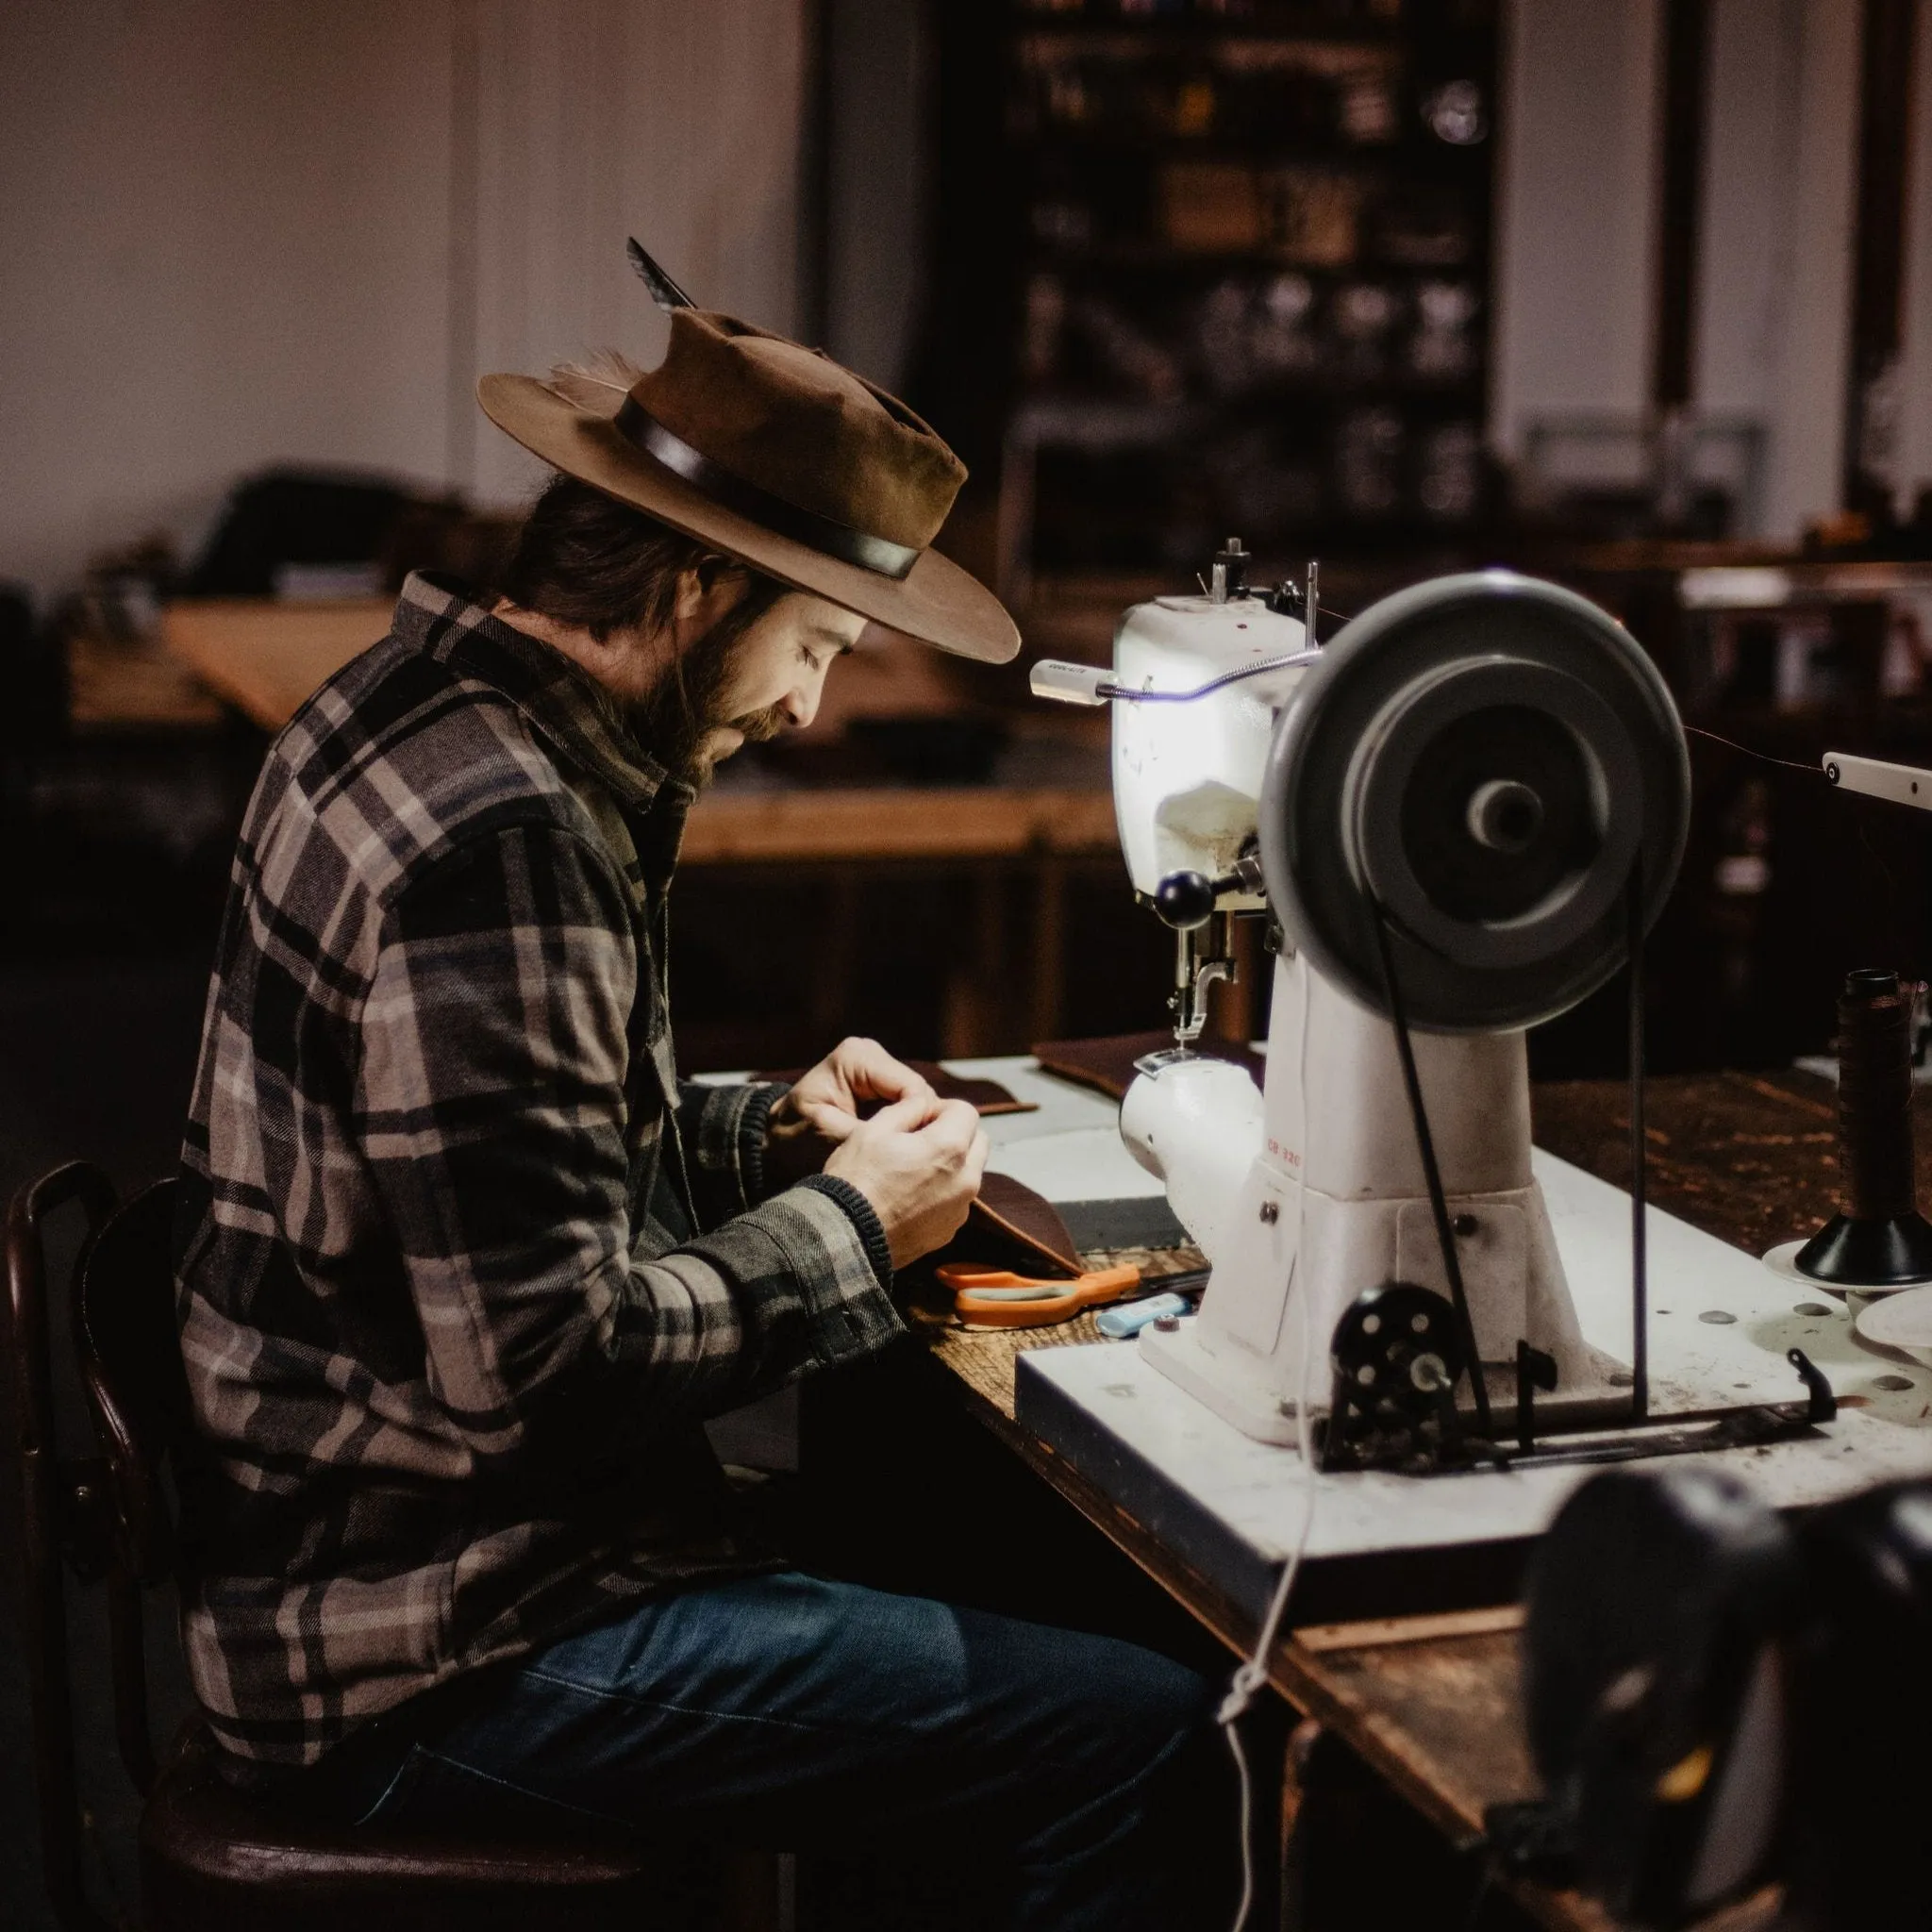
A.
x: 1639, y: 1159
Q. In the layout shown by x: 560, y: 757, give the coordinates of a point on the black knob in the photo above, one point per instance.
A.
x: 1184, y: 900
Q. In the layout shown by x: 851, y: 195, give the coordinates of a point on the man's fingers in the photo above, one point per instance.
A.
x: 827, y: 1117
x: 869, y: 1069
x: 974, y: 1168
x: 910, y: 1115
x: 953, y: 1124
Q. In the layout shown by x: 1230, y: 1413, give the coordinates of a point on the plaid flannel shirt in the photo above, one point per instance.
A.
x: 462, y: 1266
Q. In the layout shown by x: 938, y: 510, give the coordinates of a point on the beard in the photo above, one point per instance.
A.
x: 673, y: 721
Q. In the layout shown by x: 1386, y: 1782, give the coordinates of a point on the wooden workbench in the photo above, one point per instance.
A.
x: 265, y: 657
x: 1432, y: 1703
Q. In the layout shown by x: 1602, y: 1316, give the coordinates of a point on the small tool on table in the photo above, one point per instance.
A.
x: 997, y: 1298
x: 1169, y: 1295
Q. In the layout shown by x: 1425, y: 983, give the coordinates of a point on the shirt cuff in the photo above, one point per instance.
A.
x: 872, y: 1230
x: 839, y: 1258
x: 725, y: 1144
x: 754, y: 1130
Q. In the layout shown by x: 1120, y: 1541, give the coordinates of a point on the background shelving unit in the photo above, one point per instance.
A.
x: 1216, y: 269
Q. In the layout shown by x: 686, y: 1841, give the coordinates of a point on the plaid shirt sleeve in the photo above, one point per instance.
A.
x: 723, y: 1129
x: 502, y: 1142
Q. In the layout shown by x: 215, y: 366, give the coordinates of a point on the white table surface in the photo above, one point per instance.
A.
x: 1071, y: 1151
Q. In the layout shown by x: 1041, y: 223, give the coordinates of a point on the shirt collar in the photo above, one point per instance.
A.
x: 442, y: 617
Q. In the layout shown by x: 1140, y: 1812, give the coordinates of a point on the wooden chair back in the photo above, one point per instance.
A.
x: 129, y: 1354
x: 55, y: 1517
x: 209, y: 1855
x: 129, y: 1351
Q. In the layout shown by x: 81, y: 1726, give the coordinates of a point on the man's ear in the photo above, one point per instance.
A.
x: 694, y: 587
x: 711, y: 578
x: 703, y: 587
x: 707, y: 590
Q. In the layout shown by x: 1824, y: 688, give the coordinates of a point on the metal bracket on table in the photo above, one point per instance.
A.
x: 1403, y: 1417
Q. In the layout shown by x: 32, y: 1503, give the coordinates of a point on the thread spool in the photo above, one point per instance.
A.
x: 1877, y: 1238
x: 1875, y: 1097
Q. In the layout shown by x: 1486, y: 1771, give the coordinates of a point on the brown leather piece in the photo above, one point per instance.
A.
x: 988, y: 1097
x: 1008, y: 1226
x: 1108, y: 1063
x: 1012, y: 1227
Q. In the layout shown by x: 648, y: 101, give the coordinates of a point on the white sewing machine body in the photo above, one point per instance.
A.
x: 1316, y: 1185
x: 1306, y: 1194
x: 1471, y: 806
x: 1187, y: 775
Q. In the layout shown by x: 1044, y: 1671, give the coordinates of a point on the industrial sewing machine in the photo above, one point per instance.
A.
x: 1458, y: 818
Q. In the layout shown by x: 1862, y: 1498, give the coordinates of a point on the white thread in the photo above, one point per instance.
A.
x: 1251, y: 1676
x: 1147, y: 695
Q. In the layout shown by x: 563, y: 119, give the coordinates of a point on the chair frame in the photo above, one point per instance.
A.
x: 106, y: 1517
x: 65, y: 1523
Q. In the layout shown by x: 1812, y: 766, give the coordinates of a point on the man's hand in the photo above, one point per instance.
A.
x: 918, y: 1162
x: 827, y: 1100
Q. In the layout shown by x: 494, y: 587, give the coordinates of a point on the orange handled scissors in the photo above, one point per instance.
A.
x: 995, y: 1298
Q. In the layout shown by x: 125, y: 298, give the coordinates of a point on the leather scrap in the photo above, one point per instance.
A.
x: 1008, y: 1226
x: 1108, y: 1063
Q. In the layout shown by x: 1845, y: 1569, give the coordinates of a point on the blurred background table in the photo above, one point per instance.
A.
x: 263, y: 655
x: 829, y: 843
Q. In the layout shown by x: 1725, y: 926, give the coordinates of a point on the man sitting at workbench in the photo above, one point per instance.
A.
x: 463, y: 1266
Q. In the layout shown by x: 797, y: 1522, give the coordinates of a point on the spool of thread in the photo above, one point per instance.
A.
x: 1877, y: 1239
x: 1875, y: 1097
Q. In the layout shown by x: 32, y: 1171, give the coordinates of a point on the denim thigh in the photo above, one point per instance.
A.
x: 783, y: 1707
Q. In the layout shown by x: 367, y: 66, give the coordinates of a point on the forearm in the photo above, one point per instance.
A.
x: 801, y: 1281
x: 582, y: 1356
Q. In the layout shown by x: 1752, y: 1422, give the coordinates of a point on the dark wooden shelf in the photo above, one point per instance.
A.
x: 1426, y: 159
x: 1134, y: 262
x: 1009, y: 149
x: 1275, y: 25
x: 1316, y: 389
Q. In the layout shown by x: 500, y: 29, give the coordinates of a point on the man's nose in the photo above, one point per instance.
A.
x: 801, y: 704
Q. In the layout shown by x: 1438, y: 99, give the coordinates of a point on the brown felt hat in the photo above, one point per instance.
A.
x: 775, y: 454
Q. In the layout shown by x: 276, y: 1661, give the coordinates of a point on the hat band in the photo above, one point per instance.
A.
x: 637, y: 426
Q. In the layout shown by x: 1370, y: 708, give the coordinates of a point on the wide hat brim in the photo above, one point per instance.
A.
x: 936, y: 601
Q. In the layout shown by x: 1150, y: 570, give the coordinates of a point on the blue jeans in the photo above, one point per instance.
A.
x: 798, y: 1714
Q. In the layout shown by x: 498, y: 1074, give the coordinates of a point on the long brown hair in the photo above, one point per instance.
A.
x: 585, y: 560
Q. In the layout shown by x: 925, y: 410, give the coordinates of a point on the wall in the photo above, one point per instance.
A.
x: 1574, y: 218
x: 598, y: 118
x: 1810, y: 175
x: 242, y: 231
x: 878, y: 119
x: 1577, y: 227
x: 1915, y: 372
x: 238, y: 231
